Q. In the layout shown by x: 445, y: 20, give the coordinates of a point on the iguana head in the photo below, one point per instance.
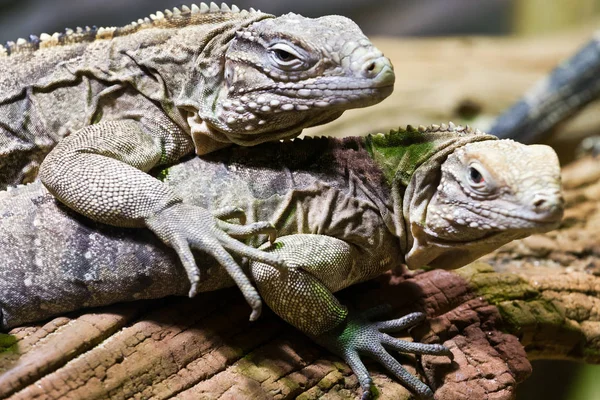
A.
x: 281, y: 75
x: 488, y: 193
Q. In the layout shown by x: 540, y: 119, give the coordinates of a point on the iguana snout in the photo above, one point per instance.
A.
x: 496, y: 187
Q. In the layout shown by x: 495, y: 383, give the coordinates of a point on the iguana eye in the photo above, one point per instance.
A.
x: 285, y: 56
x: 476, y: 176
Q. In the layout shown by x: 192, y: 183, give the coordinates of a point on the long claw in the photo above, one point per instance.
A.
x: 403, y: 346
x: 231, y: 212
x: 400, y: 324
x: 193, y: 290
x: 408, y: 380
x: 358, y: 336
x: 189, y: 264
x: 256, y: 313
x: 237, y: 274
x: 360, y: 370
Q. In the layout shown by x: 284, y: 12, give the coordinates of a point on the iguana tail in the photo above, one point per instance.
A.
x: 558, y: 96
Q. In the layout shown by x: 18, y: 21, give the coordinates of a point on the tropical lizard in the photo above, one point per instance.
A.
x: 120, y: 101
x: 348, y: 209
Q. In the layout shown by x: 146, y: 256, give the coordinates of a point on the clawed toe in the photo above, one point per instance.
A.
x: 231, y: 212
x: 256, y: 228
x: 359, y: 336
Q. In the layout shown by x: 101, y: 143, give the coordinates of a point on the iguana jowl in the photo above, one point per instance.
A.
x: 121, y: 101
x: 348, y: 209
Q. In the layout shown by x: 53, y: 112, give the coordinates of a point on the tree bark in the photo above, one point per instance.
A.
x: 535, y: 298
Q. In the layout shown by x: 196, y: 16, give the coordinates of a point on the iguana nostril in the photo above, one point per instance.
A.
x: 539, y: 202
x: 548, y: 205
x: 546, y: 200
x: 380, y: 69
x: 372, y: 67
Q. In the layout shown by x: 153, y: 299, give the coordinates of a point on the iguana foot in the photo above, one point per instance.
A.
x: 185, y: 227
x: 359, y: 336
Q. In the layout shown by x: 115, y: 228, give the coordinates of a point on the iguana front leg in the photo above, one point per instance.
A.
x: 100, y: 172
x: 302, y: 295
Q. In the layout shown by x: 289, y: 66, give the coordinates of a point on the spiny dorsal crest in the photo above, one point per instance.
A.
x: 400, y: 152
x: 459, y: 130
x: 168, y: 19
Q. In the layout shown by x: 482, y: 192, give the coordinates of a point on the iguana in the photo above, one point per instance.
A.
x: 347, y: 209
x: 120, y: 101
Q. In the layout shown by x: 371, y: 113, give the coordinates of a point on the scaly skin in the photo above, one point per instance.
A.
x: 347, y: 209
x: 149, y: 93
x: 217, y: 74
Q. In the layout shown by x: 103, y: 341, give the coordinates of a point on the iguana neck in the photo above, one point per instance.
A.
x: 410, y: 159
x: 399, y: 153
x: 191, y: 65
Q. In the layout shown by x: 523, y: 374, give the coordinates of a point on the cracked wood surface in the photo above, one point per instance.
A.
x: 536, y: 298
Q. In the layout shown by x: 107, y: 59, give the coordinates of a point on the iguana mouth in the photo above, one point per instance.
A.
x: 312, y: 90
x: 550, y: 218
x: 303, y: 98
x: 335, y: 97
x: 293, y: 106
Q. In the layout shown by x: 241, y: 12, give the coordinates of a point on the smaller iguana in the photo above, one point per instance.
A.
x: 117, y: 102
x: 348, y: 209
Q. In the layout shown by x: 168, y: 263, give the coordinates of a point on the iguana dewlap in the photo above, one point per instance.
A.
x: 120, y: 101
x: 346, y: 209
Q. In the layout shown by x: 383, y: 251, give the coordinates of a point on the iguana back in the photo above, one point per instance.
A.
x: 55, y: 85
x: 171, y: 63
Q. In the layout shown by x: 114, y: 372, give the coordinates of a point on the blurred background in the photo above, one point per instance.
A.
x: 458, y: 77
x: 20, y: 18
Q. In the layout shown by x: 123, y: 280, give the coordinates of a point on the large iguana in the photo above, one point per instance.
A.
x: 348, y: 209
x: 120, y: 101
